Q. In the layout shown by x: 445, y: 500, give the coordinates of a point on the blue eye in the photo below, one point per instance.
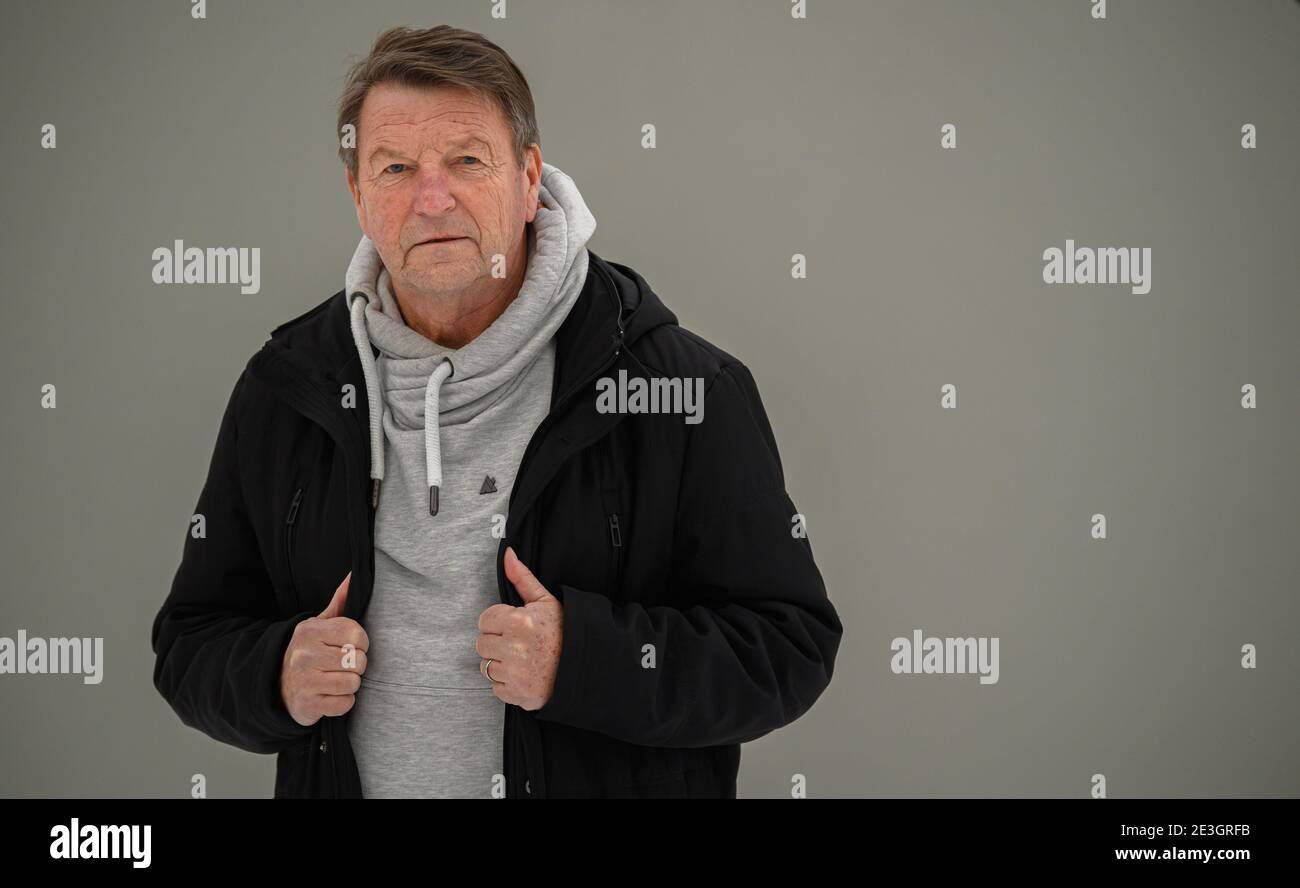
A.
x: 389, y: 168
x: 469, y: 157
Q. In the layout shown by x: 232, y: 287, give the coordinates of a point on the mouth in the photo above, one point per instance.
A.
x: 440, y: 240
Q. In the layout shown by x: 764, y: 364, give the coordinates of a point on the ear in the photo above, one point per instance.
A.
x: 533, y: 173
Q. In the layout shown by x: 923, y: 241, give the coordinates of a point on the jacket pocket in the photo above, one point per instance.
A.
x: 615, y: 522
x: 290, y: 524
x: 616, y: 560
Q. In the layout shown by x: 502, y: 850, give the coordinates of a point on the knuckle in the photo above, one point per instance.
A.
x: 356, y: 635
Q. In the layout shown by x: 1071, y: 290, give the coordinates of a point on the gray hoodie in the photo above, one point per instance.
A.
x: 448, y: 428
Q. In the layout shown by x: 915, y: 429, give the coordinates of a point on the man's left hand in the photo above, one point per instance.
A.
x: 523, y: 643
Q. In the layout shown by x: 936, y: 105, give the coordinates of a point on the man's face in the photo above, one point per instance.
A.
x: 434, y: 162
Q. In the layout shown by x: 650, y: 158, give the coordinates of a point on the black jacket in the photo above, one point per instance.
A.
x: 650, y: 531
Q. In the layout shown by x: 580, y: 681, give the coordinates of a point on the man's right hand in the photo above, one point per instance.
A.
x: 323, y: 663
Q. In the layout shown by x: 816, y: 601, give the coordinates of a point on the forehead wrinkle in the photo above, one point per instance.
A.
x: 470, y: 117
x: 472, y: 135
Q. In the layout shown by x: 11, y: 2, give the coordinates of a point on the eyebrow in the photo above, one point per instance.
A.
x: 382, y: 151
x: 385, y: 151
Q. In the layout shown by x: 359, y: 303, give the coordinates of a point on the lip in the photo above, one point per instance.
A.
x: 438, y: 241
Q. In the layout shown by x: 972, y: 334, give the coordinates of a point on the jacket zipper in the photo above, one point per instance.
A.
x: 616, y: 537
x: 297, y: 399
x: 288, y: 543
x: 538, y: 435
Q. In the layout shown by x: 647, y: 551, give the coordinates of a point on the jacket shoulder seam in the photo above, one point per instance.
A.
x: 701, y: 345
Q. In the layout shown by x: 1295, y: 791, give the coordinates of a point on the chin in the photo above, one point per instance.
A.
x: 447, y: 276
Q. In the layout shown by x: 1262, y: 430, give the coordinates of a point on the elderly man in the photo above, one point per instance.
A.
x: 439, y: 560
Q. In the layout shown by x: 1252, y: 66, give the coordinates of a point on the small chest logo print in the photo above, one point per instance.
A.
x: 489, y: 485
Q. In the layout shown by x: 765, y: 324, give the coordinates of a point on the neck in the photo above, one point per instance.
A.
x: 455, y: 320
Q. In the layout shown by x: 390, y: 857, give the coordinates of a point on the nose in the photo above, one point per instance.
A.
x: 433, y: 195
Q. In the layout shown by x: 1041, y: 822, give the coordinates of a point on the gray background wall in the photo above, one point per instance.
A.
x: 1118, y: 656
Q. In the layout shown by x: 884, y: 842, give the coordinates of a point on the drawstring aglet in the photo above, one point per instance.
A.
x: 433, y: 500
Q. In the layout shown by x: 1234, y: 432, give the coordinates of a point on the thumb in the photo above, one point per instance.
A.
x: 530, y: 588
x: 335, y: 607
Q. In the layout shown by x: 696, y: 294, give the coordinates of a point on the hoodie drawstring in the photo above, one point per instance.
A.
x: 373, y: 396
x: 432, y: 438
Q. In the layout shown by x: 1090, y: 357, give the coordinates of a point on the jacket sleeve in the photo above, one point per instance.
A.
x: 218, y: 640
x: 751, y: 645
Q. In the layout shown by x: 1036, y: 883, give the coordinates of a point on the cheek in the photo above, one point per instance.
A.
x: 385, y: 212
x: 495, y: 212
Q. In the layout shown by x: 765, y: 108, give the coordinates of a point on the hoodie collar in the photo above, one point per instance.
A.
x: 316, y: 348
x: 420, y: 382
